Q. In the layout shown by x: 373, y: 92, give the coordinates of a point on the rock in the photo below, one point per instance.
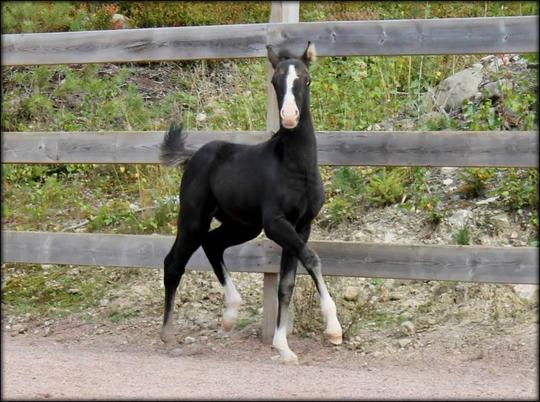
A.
x: 447, y: 182
x: 403, y: 342
x: 460, y: 217
x: 448, y: 170
x: 189, y: 339
x: 453, y: 90
x: 395, y: 296
x: 73, y: 291
x: 18, y: 329
x: 495, y: 89
x: 103, y: 302
x: 200, y: 117
x: 408, y: 326
x: 514, y: 235
x: 526, y: 292
x: 388, y: 237
x: 500, y: 221
x: 351, y: 293
x: 487, y: 200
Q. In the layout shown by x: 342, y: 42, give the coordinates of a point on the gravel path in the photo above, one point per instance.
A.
x: 39, y: 368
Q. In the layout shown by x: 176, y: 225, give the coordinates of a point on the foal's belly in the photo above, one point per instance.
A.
x: 237, y: 202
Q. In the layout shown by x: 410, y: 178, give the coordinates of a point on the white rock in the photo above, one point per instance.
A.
x: 447, y: 182
x: 460, y: 217
x: 526, y: 292
x: 448, y: 170
x: 189, y: 339
x: 487, y: 200
x: 200, y: 117
x: 403, y: 342
x: 388, y: 237
x: 351, y: 293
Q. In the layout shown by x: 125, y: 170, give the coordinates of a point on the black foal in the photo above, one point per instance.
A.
x: 274, y: 185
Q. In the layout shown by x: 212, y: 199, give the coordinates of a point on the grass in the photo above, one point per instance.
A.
x: 348, y: 93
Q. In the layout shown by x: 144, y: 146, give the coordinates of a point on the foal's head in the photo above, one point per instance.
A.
x: 291, y: 82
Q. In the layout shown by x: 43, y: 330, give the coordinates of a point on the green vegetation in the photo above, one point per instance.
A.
x: 463, y: 236
x: 348, y: 93
x: 60, y: 290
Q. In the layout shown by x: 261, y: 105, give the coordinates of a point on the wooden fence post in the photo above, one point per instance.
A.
x: 281, y: 11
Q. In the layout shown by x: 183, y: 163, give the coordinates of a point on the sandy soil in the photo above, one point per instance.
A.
x: 63, y: 366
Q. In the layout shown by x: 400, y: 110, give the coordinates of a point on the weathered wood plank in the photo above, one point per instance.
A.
x: 363, y: 148
x: 135, y: 45
x: 332, y: 38
x: 412, y: 37
x: 457, y: 263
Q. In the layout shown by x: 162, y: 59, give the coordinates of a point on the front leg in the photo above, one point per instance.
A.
x: 284, y: 234
x: 333, y: 332
x: 287, y: 279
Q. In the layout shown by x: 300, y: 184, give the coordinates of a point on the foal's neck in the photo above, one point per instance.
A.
x: 300, y: 144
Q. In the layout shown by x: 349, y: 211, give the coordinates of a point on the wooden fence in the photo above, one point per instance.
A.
x: 395, y: 37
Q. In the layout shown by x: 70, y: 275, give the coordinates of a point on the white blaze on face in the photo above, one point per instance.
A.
x: 289, y: 110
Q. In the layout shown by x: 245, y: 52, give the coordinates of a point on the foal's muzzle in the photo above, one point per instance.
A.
x: 289, y: 115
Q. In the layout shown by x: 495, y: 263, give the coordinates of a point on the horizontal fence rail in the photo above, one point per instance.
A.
x: 424, y: 262
x: 364, y: 148
x: 332, y: 38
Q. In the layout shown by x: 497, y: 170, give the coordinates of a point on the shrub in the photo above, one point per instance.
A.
x: 385, y: 187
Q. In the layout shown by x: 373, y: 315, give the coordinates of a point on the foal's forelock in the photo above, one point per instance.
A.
x: 289, y: 112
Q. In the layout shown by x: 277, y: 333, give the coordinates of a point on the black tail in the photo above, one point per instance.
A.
x: 173, y: 151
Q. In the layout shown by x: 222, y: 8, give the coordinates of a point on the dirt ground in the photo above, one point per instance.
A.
x: 67, y: 364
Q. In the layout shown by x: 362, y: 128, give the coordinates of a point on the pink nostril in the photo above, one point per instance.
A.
x: 296, y: 112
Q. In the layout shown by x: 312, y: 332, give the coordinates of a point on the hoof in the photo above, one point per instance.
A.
x: 227, y: 326
x: 333, y: 338
x: 289, y: 359
x: 167, y: 337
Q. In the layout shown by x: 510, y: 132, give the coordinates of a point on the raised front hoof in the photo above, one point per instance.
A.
x: 334, y: 338
x: 288, y: 359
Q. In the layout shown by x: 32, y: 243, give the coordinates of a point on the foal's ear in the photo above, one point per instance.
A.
x: 309, y: 55
x: 272, y: 56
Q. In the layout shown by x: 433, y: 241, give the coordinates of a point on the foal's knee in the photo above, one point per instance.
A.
x: 310, y: 259
x: 285, y: 292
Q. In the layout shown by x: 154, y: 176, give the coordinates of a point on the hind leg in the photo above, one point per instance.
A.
x: 174, y: 268
x: 227, y: 235
x: 192, y: 228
